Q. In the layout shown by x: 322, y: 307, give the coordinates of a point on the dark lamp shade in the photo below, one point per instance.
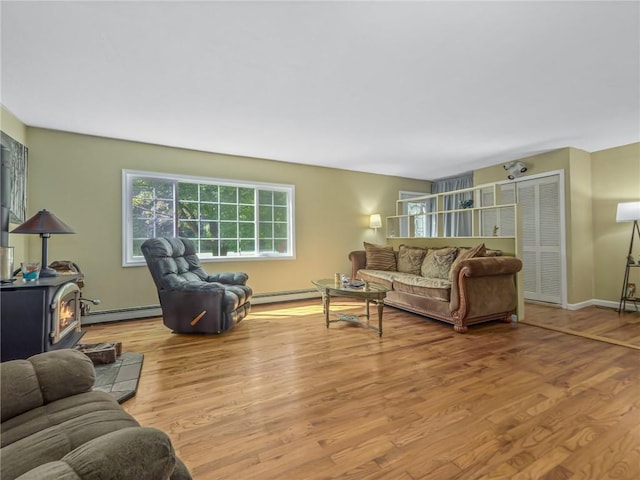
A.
x: 43, y: 222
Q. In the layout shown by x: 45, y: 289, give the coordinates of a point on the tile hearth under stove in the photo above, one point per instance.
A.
x: 121, y: 377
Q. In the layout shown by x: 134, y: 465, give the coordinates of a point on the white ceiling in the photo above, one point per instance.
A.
x: 414, y: 89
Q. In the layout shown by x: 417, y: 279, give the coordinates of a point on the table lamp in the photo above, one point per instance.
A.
x: 44, y: 223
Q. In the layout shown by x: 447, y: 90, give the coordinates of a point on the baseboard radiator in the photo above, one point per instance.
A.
x: 133, y: 313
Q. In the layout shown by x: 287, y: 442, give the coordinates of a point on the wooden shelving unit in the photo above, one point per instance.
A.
x: 626, y: 295
x: 492, y: 222
x: 487, y: 216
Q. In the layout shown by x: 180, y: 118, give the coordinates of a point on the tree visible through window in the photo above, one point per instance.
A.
x: 224, y: 219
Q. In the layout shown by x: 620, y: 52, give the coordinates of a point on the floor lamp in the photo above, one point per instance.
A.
x: 628, y: 212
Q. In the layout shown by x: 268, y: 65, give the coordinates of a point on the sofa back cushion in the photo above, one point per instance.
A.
x: 20, y: 388
x: 380, y: 257
x: 437, y: 263
x: 410, y: 259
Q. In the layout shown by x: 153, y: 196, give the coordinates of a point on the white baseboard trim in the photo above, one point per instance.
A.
x: 578, y: 306
x: 629, y: 307
x: 134, y: 313
x: 122, y: 314
x: 274, y: 297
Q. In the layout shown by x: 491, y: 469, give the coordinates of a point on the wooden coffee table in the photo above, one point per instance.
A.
x: 371, y: 293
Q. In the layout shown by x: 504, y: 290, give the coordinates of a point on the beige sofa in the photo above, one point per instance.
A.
x: 456, y: 285
x: 54, y: 426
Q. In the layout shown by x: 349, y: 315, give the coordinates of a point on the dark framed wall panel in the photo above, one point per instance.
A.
x: 17, y: 155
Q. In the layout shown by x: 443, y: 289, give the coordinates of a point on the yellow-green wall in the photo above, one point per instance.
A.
x: 78, y: 177
x: 579, y: 220
x: 17, y: 130
x: 616, y: 178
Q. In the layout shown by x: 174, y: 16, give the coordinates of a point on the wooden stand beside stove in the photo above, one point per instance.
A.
x: 39, y: 316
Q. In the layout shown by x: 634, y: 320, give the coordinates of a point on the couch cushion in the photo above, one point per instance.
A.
x: 410, y: 259
x: 380, y: 257
x: 435, y: 288
x: 24, y: 393
x: 383, y: 277
x: 47, y: 433
x: 437, y: 263
x: 140, y: 453
x: 76, y: 415
x: 464, y: 253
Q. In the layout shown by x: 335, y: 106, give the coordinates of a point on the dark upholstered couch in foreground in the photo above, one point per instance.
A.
x: 455, y: 285
x: 55, y: 427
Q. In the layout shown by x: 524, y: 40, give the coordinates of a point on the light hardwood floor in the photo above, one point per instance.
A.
x: 283, y: 397
x: 598, y: 323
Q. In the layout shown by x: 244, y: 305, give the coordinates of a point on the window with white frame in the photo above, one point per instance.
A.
x: 224, y: 218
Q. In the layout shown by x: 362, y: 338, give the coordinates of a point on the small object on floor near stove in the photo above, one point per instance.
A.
x: 101, y: 353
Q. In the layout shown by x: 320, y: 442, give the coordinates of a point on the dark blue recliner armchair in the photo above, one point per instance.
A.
x: 193, y: 301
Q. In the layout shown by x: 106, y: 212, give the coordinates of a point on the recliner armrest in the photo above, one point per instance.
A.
x: 229, y: 278
x: 197, y: 287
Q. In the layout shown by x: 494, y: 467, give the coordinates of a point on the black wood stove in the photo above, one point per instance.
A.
x: 39, y: 316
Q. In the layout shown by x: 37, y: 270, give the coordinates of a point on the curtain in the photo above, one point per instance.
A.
x: 456, y: 224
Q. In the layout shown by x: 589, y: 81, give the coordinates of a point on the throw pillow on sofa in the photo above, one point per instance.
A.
x: 437, y: 263
x: 410, y: 259
x: 464, y: 253
x: 380, y: 257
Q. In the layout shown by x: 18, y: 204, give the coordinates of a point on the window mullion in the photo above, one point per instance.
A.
x: 175, y: 208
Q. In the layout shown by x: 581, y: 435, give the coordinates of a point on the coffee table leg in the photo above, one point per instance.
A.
x: 380, y: 307
x: 326, y: 302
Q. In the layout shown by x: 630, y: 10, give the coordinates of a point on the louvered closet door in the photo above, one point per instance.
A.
x: 539, y: 201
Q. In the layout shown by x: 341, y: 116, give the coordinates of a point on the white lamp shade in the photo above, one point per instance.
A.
x: 628, y: 212
x: 375, y: 221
